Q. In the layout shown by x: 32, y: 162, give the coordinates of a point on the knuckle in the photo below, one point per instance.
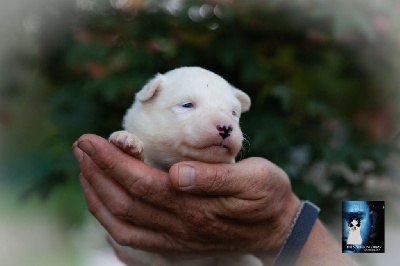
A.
x: 270, y: 177
x: 122, y: 255
x: 121, y: 237
x: 120, y: 209
x: 183, y: 235
x: 261, y: 163
x: 199, y: 218
x: 108, y: 165
x: 218, y: 180
x: 94, y: 207
x: 141, y: 187
x: 263, y: 168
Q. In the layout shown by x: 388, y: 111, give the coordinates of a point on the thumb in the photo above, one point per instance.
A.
x: 218, y: 179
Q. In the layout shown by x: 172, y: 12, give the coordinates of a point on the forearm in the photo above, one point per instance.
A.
x: 322, y: 249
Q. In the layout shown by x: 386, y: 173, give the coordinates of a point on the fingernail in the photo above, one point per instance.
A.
x: 78, y: 153
x: 186, y: 175
x: 84, y: 183
x: 87, y: 147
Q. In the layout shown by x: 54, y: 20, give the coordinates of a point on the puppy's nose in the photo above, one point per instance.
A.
x: 224, y: 131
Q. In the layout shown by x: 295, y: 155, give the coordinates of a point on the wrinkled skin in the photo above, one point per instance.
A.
x: 247, y: 207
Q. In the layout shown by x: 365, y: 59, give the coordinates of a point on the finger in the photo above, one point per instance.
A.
x: 124, y: 233
x: 127, y: 208
x: 120, y: 202
x: 124, y: 254
x: 248, y: 178
x: 137, y: 177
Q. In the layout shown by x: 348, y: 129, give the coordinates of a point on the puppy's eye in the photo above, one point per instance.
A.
x: 234, y: 113
x: 188, y: 105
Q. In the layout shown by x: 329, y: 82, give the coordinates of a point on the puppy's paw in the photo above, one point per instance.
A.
x: 128, y: 143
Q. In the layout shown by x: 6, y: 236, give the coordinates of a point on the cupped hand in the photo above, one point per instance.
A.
x: 195, y: 210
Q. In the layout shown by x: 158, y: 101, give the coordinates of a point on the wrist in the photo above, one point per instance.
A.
x: 282, y: 225
x: 298, y: 234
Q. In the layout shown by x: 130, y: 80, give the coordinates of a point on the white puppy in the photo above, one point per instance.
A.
x: 186, y: 114
x: 183, y: 115
x: 354, y: 232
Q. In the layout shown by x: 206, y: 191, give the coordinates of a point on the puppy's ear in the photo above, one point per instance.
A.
x: 244, y: 99
x: 150, y: 90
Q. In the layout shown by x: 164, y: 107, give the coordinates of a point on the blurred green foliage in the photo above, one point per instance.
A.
x: 319, y: 82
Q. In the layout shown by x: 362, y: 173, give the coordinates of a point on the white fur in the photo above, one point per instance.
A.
x: 171, y: 133
x: 160, y: 130
x: 354, y: 234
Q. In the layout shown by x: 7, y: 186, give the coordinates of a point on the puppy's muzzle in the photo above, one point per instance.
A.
x: 224, y: 131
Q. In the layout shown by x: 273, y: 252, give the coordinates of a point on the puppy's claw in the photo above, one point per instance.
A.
x: 128, y: 143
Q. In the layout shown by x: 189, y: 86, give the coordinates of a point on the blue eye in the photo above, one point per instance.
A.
x: 188, y: 105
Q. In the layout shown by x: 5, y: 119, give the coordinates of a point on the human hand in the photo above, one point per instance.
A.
x: 195, y: 210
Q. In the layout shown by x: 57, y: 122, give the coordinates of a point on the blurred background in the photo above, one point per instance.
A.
x: 323, y: 76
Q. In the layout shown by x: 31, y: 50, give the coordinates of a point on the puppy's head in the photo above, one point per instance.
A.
x: 354, y: 224
x: 188, y: 114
